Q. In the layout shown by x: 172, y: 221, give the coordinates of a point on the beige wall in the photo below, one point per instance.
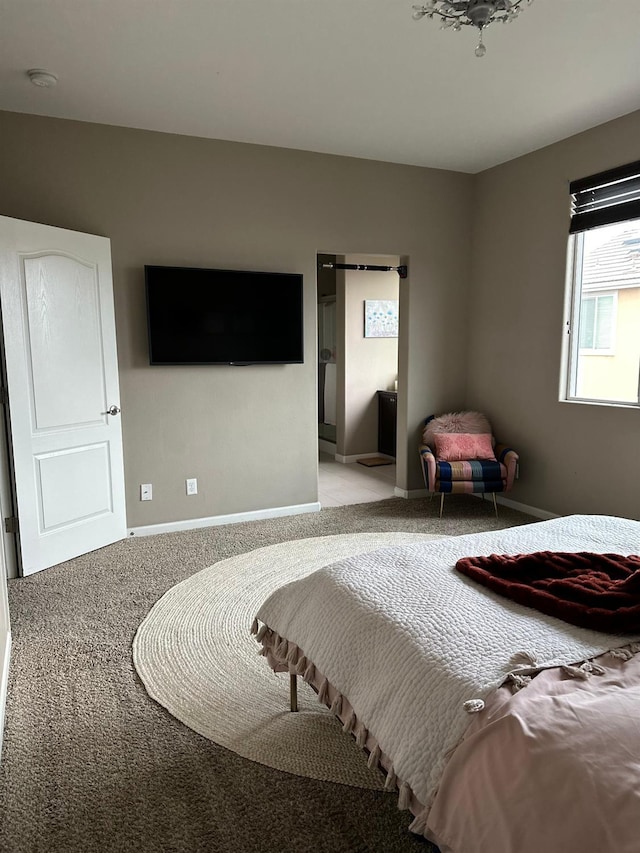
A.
x: 248, y: 434
x: 370, y: 364
x: 575, y: 458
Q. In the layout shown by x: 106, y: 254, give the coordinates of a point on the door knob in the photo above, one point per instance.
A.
x: 113, y: 410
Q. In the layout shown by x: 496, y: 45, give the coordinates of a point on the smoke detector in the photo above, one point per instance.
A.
x: 42, y: 78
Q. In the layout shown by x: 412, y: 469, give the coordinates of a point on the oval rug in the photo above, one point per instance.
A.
x: 196, y: 657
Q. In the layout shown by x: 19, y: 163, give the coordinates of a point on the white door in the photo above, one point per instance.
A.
x: 56, y: 297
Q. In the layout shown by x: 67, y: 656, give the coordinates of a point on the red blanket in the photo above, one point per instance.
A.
x: 597, y: 591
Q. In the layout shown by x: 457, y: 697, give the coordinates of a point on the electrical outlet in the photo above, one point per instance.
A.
x: 146, y: 492
x: 192, y: 486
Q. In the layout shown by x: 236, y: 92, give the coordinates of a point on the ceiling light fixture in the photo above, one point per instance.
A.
x: 456, y: 14
x: 42, y: 78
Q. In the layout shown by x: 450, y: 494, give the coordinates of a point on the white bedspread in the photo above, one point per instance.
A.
x: 408, y: 639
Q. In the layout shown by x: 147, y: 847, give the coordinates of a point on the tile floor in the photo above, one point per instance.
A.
x: 340, y: 484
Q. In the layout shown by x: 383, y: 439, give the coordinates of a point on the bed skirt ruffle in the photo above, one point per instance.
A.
x: 285, y: 656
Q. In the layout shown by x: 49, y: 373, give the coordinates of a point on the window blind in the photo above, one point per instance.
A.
x: 605, y: 198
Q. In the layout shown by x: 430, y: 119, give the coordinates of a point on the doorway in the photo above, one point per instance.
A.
x: 358, y: 326
x: 327, y: 352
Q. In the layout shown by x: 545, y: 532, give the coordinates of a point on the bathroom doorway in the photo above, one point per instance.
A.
x: 327, y: 352
x: 358, y: 302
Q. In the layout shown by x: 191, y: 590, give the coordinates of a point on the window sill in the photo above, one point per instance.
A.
x: 608, y: 403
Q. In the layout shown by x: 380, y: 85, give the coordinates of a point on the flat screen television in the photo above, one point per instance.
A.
x: 208, y: 316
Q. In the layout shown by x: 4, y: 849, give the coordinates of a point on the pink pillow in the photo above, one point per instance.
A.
x: 461, y: 446
x: 455, y: 422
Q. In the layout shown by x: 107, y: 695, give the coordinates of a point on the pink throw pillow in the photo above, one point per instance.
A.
x: 458, y: 422
x: 461, y: 446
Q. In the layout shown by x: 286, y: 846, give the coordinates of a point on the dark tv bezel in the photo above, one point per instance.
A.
x: 257, y: 274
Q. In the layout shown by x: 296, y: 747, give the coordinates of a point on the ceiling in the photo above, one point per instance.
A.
x: 350, y: 77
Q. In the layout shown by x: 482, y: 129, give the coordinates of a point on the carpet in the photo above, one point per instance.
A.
x: 196, y: 657
x: 91, y: 765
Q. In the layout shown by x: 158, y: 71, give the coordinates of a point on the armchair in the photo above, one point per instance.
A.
x: 459, y: 455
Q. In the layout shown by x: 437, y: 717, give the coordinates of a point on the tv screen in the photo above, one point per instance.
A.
x: 206, y: 316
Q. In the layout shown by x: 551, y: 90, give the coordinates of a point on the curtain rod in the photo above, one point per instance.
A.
x: 401, y: 270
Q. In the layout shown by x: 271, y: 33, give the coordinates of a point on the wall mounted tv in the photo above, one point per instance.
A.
x: 207, y: 316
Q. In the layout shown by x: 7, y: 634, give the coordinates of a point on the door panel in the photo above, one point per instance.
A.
x: 62, y: 308
x: 62, y: 377
x: 73, y: 485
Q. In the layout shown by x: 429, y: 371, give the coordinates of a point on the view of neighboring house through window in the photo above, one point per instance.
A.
x: 597, y: 323
x: 604, y: 318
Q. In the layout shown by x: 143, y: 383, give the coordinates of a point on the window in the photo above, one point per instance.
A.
x: 597, y: 323
x: 602, y: 348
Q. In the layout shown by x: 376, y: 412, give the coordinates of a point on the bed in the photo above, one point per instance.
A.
x: 500, y: 727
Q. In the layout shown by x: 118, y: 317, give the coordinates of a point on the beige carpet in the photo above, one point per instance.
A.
x: 196, y: 657
x: 91, y: 764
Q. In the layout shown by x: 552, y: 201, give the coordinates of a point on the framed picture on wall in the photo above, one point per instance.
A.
x: 381, y: 318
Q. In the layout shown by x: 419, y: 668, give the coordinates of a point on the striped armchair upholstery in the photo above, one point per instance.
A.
x: 465, y: 477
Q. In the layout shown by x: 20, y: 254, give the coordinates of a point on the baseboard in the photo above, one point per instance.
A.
x: 529, y: 510
x: 410, y: 493
x: 535, y: 511
x: 216, y: 520
x: 354, y: 458
x: 4, y: 680
x: 327, y: 446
